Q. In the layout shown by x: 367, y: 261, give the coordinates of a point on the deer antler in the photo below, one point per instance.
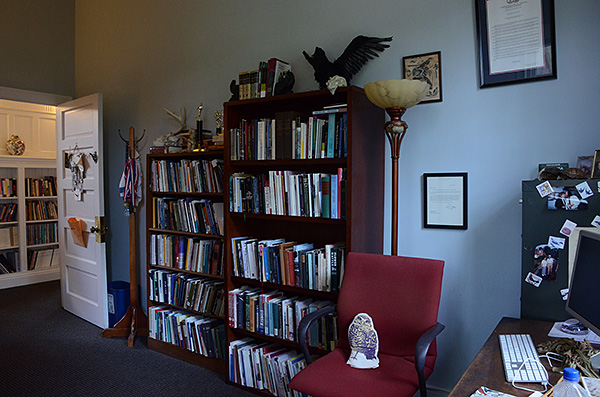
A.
x: 181, y: 119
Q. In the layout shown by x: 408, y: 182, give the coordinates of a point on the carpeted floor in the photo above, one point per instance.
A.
x: 46, y: 351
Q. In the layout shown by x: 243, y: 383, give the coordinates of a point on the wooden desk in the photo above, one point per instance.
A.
x: 486, y: 368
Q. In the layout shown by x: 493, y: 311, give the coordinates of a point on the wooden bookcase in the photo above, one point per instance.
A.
x: 34, y: 223
x: 362, y: 228
x: 153, y: 227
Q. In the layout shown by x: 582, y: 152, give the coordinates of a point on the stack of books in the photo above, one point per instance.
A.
x: 188, y: 215
x: 274, y: 314
x: 197, y: 333
x: 264, y: 366
x: 187, y: 253
x: 289, y: 193
x: 39, y: 187
x: 187, y: 176
x: 289, y: 263
x: 260, y: 83
x: 190, y: 292
x: 292, y: 136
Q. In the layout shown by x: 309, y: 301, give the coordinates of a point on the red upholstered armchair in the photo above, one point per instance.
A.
x: 402, y: 296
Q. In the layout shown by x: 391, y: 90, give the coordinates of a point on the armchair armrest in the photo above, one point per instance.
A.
x: 421, y: 353
x: 305, y: 324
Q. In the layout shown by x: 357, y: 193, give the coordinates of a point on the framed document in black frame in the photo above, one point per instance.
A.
x: 445, y: 200
x: 516, y: 41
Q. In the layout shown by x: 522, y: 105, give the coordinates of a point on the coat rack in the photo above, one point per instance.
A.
x: 134, y: 322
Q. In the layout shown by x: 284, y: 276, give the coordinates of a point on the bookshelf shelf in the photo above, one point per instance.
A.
x: 288, y: 218
x: 180, y: 353
x: 157, y: 303
x: 215, y: 276
x: 322, y: 295
x: 27, y: 180
x: 284, y: 342
x: 181, y: 233
x: 183, y: 188
x: 360, y: 228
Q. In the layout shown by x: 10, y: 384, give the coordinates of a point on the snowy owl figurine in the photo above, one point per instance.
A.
x: 364, y: 343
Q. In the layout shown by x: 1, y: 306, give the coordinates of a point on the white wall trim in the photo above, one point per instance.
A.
x: 15, y: 94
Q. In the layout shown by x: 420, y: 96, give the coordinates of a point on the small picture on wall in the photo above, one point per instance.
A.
x: 566, y: 198
x: 427, y: 68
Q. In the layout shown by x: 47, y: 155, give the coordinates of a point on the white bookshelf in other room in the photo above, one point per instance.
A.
x: 17, y: 246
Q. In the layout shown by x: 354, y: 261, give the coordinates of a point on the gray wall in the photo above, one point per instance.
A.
x: 37, y: 45
x: 143, y: 55
x: 146, y: 54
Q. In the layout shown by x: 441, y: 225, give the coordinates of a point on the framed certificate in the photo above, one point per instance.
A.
x: 516, y: 41
x: 445, y: 200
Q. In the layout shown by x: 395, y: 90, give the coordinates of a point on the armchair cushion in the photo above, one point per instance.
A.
x: 329, y: 376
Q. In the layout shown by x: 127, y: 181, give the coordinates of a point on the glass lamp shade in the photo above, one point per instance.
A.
x: 396, y: 93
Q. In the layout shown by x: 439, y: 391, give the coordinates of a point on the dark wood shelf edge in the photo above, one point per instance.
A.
x: 188, y: 194
x: 172, y: 156
x: 249, y: 389
x: 332, y: 296
x: 340, y: 161
x: 214, y: 364
x: 215, y: 276
x: 157, y: 303
x: 273, y: 339
x: 287, y: 218
x: 182, y: 233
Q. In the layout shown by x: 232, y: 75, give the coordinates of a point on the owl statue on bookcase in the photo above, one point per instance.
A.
x: 360, y: 50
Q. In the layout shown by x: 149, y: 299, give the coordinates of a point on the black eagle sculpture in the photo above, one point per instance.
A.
x: 360, y: 50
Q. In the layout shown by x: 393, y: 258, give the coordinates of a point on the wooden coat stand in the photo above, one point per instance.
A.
x: 134, y: 322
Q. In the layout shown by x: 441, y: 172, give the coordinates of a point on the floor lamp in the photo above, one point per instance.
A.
x: 395, y: 96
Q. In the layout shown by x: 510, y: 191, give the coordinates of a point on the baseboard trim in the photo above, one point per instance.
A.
x: 29, y: 277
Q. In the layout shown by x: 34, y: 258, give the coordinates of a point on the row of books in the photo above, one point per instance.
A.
x: 37, y: 187
x: 38, y: 210
x: 187, y: 253
x: 274, y: 314
x: 199, y: 334
x: 190, y: 292
x: 187, y: 176
x: 8, y: 212
x: 289, y: 263
x: 9, y: 236
x: 8, y: 187
x: 290, y: 136
x: 290, y: 193
x: 42, y: 259
x: 260, y: 83
x: 264, y: 366
x: 188, y: 215
x: 9, y: 262
x: 42, y: 233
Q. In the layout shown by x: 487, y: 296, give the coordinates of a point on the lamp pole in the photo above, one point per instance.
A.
x: 395, y: 129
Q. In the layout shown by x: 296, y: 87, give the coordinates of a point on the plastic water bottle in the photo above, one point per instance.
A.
x: 570, y: 386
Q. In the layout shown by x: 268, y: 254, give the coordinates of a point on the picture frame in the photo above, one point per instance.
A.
x: 586, y: 164
x: 425, y: 67
x: 445, y: 200
x: 596, y: 168
x: 502, y: 28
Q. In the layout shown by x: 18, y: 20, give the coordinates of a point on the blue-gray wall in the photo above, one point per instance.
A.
x: 143, y: 55
x: 37, y: 45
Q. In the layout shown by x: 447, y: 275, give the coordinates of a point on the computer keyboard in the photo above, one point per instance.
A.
x: 516, y: 349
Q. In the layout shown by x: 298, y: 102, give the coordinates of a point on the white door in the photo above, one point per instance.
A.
x: 83, y: 269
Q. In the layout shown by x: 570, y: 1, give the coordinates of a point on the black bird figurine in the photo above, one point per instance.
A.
x: 354, y: 57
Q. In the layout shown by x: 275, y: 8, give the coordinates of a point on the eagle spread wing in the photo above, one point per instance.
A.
x: 360, y: 50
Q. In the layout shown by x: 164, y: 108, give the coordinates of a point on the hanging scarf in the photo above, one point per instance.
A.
x: 130, y: 186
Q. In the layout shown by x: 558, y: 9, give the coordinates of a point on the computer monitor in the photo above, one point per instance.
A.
x: 584, y: 291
